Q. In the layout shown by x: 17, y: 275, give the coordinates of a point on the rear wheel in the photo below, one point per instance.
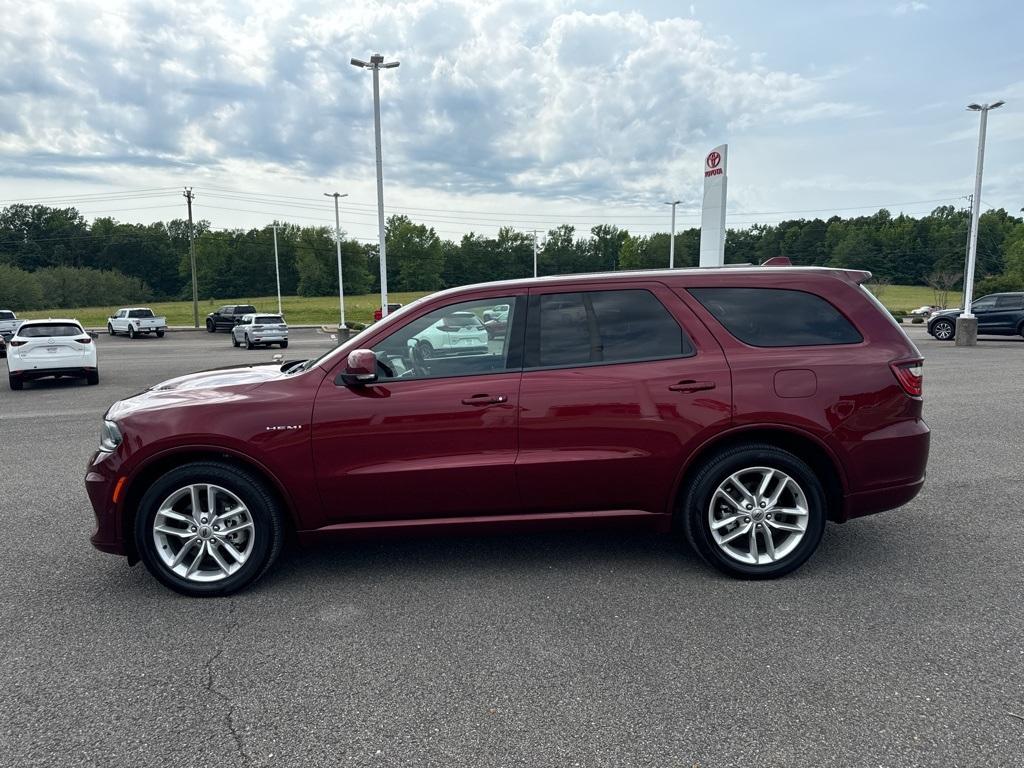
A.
x: 92, y: 377
x: 943, y: 330
x: 284, y: 344
x: 248, y: 342
x: 207, y: 529
x: 755, y: 512
x: 15, y: 382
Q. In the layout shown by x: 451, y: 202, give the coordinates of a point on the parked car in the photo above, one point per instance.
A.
x: 254, y: 330
x: 924, y: 311
x: 457, y: 333
x: 136, y: 321
x: 227, y: 317
x: 9, y: 323
x: 42, y: 348
x: 3, y: 347
x: 495, y: 321
x: 999, y: 314
x: 378, y: 312
x: 742, y: 408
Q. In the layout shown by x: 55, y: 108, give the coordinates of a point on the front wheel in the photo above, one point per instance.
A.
x: 159, y: 334
x: 207, y: 529
x: 210, y: 327
x: 943, y: 330
x: 755, y: 512
x: 110, y: 330
x: 131, y: 332
x: 234, y: 340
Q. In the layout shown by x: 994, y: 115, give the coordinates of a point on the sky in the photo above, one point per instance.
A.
x: 525, y: 113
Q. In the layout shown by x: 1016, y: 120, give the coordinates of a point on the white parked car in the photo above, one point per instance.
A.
x: 460, y: 333
x: 260, y: 329
x: 9, y: 323
x: 136, y: 321
x: 42, y: 348
x: 924, y: 311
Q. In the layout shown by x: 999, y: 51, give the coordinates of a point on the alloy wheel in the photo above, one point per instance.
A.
x: 758, y: 515
x: 203, y: 532
x: 943, y: 330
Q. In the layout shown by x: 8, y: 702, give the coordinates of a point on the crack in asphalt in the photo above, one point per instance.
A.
x: 236, y: 736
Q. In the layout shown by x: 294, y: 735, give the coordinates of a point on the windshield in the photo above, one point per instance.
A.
x: 141, y: 313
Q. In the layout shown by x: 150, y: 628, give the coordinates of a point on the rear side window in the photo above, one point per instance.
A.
x: 50, y: 329
x: 602, y: 327
x: 777, y: 317
x: 1010, y: 301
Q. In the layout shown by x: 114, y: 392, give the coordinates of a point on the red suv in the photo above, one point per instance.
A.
x: 740, y: 407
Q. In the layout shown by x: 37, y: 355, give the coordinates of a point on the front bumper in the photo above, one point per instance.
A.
x: 101, y: 480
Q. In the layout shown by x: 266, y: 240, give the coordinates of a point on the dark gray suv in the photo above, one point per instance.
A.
x: 999, y: 314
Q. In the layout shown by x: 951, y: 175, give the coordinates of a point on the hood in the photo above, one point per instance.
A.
x: 946, y: 313
x: 203, y: 388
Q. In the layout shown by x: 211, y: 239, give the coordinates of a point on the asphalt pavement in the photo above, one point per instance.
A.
x: 901, y: 643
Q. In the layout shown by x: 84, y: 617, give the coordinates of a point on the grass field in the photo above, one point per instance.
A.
x: 298, y: 310
x: 323, y: 310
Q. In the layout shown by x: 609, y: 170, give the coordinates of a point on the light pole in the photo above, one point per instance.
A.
x: 337, y: 241
x: 967, y: 323
x: 535, y: 253
x: 672, y: 242
x: 376, y: 64
x: 277, y: 271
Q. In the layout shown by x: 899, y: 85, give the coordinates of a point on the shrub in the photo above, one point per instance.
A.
x: 72, y: 287
x: 998, y: 284
x: 19, y: 290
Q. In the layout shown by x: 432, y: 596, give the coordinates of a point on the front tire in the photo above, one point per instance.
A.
x: 208, y: 529
x: 943, y: 330
x: 131, y: 332
x: 210, y: 327
x: 234, y: 340
x: 110, y: 330
x: 754, y: 512
x: 159, y: 334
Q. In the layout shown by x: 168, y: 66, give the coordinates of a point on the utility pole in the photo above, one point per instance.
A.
x: 376, y: 64
x: 189, y: 197
x: 277, y: 271
x: 535, y: 253
x: 672, y: 241
x: 967, y: 247
x: 337, y: 241
x: 967, y: 323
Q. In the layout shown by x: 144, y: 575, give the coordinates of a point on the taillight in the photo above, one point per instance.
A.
x: 910, y: 375
x: 86, y: 340
x: 18, y: 343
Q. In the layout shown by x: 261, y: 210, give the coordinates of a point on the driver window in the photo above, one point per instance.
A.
x: 983, y: 305
x: 467, y: 339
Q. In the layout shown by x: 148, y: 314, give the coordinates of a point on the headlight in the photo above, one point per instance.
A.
x: 110, y: 436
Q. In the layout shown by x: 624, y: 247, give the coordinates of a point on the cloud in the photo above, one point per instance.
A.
x: 914, y: 6
x: 507, y: 96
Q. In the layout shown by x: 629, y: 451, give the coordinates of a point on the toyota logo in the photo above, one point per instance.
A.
x: 713, y: 159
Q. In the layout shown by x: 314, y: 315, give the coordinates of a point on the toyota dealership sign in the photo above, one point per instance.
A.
x: 712, y: 215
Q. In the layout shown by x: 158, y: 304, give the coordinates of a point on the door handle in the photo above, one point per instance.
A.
x: 484, y: 400
x: 689, y: 385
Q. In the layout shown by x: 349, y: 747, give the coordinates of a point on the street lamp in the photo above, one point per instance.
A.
x: 337, y: 241
x: 672, y: 242
x: 967, y: 323
x: 376, y: 64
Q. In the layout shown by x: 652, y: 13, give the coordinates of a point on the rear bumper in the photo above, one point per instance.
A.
x: 891, y: 466
x: 39, y: 373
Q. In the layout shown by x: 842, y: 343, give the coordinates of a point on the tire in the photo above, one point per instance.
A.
x: 234, y: 340
x: 284, y: 344
x: 943, y: 330
x: 261, y: 550
x: 16, y: 384
x: 248, y: 343
x: 753, y: 462
x: 159, y: 334
x: 131, y: 332
x: 92, y: 378
x: 210, y: 328
x: 110, y: 330
x: 1020, y: 329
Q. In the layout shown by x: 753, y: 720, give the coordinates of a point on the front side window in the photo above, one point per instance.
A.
x: 452, y: 341
x: 984, y: 304
x: 602, y: 327
x: 777, y: 317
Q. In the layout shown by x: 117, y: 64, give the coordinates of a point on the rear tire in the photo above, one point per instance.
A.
x: 248, y: 343
x: 943, y: 330
x: 782, y: 541
x: 284, y: 344
x: 16, y: 383
x: 92, y: 378
x: 209, y: 580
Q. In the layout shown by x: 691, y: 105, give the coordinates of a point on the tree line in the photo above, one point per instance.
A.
x: 54, y: 257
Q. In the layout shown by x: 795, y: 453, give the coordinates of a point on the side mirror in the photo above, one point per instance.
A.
x: 360, y: 368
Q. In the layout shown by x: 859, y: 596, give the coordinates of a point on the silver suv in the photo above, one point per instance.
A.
x: 260, y: 329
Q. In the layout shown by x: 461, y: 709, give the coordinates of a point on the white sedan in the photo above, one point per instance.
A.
x: 460, y: 333
x: 57, y: 348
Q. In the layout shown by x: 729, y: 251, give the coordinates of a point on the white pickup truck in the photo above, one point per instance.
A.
x: 135, y: 321
x: 9, y: 323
